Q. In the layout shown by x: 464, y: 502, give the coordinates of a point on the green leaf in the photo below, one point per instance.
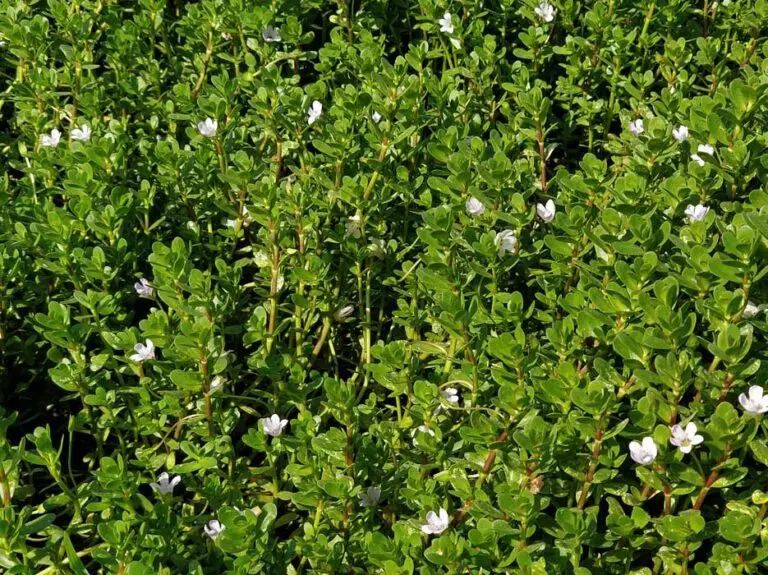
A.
x: 37, y: 524
x: 737, y: 527
x: 74, y: 561
x: 187, y: 380
x: 190, y: 466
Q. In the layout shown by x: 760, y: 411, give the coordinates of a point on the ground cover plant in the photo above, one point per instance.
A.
x: 390, y: 286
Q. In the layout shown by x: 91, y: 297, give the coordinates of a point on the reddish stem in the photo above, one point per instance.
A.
x: 592, y: 467
x: 487, y: 466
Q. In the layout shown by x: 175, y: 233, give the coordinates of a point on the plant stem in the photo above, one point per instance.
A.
x: 592, y: 465
x: 206, y: 392
x: 300, y: 291
x: 367, y: 327
x: 278, y: 160
x: 206, y: 63
x: 647, y: 21
x: 487, y: 467
x: 5, y: 489
x: 713, y: 475
x: 625, y: 388
x: 375, y: 175
x: 273, y: 285
x: 449, y: 359
x: 55, y: 569
x: 542, y: 157
x: 320, y: 342
x: 220, y: 154
x: 726, y: 387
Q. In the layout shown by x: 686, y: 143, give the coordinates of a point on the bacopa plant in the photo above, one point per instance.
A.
x: 383, y: 287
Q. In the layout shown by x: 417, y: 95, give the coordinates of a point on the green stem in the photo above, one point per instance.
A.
x: 206, y: 62
x: 5, y: 490
x: 367, y: 328
x: 646, y: 23
x: 449, y: 360
x: 320, y: 342
x: 375, y: 175
x: 273, y: 286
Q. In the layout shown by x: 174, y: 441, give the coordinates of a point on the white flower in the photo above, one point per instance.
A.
x: 696, y: 158
x: 216, y: 383
x: 756, y: 403
x: 686, y: 438
x: 280, y: 282
x: 450, y: 394
x: 545, y: 11
x: 213, y: 529
x: 226, y: 36
x: 751, y: 310
x: 144, y: 288
x: 546, y: 211
x: 376, y: 117
x: 643, y: 453
x: 344, y: 312
x: 636, y: 127
x: 371, y: 497
x: 475, y: 207
x: 314, y: 112
x: 353, y: 226
x: 273, y: 425
x: 50, y: 140
x: 81, y: 134
x: 271, y: 34
x: 445, y: 23
x: 143, y: 352
x: 705, y: 149
x: 506, y: 242
x: 680, y: 133
x: 436, y: 523
x: 696, y: 213
x: 165, y: 484
x: 208, y: 128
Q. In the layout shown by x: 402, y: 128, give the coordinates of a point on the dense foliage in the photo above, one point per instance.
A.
x: 383, y: 287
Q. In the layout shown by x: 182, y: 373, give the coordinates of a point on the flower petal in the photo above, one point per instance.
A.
x: 443, y: 516
x: 697, y: 440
